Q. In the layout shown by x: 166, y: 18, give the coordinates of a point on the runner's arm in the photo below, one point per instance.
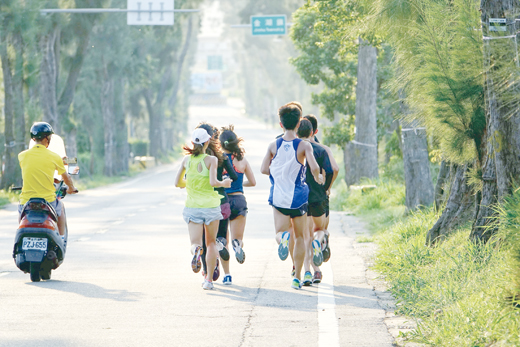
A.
x: 335, y: 167
x: 267, y: 160
x: 313, y: 164
x: 251, y: 181
x: 228, y: 166
x: 180, y: 182
x: 213, y: 164
x: 327, y: 171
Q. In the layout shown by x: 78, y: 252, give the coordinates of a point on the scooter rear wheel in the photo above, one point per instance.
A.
x: 35, y: 272
x: 45, y: 275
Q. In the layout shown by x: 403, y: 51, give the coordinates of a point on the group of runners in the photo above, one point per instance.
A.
x: 213, y: 174
x: 301, y: 171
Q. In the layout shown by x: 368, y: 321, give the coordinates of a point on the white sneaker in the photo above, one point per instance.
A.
x: 207, y: 285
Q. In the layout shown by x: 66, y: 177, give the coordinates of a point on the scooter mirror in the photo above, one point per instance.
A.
x: 73, y: 169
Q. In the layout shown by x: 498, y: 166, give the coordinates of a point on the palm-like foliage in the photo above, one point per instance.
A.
x: 438, y: 53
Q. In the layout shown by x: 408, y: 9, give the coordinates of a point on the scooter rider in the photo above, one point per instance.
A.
x: 38, y: 165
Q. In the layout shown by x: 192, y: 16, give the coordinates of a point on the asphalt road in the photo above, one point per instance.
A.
x: 127, y: 279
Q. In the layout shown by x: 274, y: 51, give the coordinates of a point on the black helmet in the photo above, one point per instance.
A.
x: 41, y: 130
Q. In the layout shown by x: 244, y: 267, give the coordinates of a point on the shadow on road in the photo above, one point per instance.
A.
x: 302, y: 300
x: 356, y: 297
x: 88, y: 290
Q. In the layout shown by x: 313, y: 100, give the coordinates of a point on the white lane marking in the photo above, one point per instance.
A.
x: 101, y: 231
x: 4, y: 274
x: 328, y: 333
x: 82, y: 239
x: 117, y: 222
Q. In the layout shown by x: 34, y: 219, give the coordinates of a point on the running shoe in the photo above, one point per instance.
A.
x: 227, y: 280
x: 307, y: 278
x: 207, y: 285
x: 296, y: 284
x: 195, y: 262
x: 283, y: 248
x: 239, y: 252
x: 216, y: 273
x: 326, y: 250
x: 317, y: 277
x: 317, y: 255
x: 222, y: 250
x: 326, y: 254
x: 293, y: 272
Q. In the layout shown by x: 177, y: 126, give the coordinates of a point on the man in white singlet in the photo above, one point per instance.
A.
x: 284, y: 162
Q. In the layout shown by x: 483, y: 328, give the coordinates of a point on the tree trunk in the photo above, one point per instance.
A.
x: 48, y: 77
x: 361, y: 154
x: 173, y: 98
x: 418, y: 181
x: 417, y: 176
x: 440, y: 186
x: 8, y: 175
x: 502, y: 162
x: 18, y: 101
x: 107, y: 107
x: 154, y: 131
x: 121, y: 129
x: 458, y: 210
x: 67, y: 95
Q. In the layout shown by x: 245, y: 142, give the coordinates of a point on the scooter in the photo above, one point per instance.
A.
x: 38, y: 246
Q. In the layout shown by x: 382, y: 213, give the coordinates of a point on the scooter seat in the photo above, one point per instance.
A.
x: 29, y: 206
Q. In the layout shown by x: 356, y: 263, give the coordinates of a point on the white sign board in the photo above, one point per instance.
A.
x: 497, y: 24
x: 150, y: 12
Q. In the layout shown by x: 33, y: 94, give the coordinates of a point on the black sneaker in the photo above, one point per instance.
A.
x: 326, y: 250
x: 222, y: 250
x: 216, y: 273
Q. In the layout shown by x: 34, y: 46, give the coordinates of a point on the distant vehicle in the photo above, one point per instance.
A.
x: 38, y: 246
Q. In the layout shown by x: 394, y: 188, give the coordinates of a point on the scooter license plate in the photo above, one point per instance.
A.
x: 34, y: 243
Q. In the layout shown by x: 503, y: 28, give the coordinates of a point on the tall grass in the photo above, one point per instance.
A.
x: 460, y: 293
x: 381, y: 207
x: 459, y: 290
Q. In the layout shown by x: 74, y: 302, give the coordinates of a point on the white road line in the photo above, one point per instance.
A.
x: 4, y: 274
x: 328, y: 334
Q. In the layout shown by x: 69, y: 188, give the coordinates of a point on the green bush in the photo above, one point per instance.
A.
x: 7, y: 197
x: 139, y: 147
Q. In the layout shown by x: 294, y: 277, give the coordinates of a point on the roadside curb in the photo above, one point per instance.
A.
x: 396, y: 325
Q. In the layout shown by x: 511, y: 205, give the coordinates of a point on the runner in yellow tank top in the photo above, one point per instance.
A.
x: 203, y: 203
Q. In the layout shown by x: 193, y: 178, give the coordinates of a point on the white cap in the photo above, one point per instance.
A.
x: 200, y: 136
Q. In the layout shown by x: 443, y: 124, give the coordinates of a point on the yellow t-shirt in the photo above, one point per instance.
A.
x: 38, y: 165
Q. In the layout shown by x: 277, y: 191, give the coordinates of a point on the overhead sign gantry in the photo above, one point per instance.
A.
x: 139, y: 12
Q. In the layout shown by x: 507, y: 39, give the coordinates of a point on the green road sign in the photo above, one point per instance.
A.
x: 269, y: 25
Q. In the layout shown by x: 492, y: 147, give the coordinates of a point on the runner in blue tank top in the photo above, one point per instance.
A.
x: 232, y: 146
x: 284, y: 163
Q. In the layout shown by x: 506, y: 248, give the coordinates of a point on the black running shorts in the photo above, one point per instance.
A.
x: 318, y: 209
x: 294, y: 212
x: 238, y: 205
